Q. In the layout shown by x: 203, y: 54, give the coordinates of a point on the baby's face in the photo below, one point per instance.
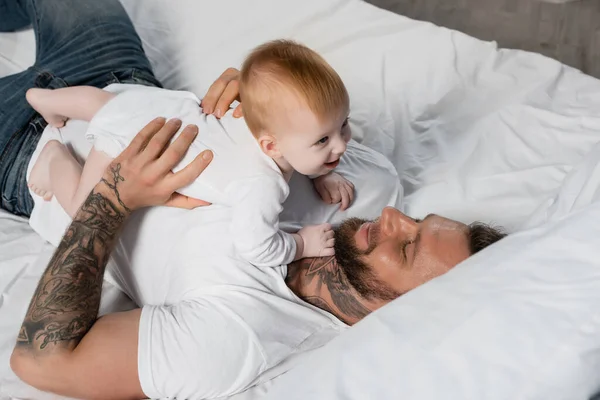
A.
x: 310, y: 146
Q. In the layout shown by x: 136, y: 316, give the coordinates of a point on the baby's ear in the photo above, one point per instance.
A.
x: 268, y: 144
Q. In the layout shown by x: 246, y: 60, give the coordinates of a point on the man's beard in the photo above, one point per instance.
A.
x: 360, y: 275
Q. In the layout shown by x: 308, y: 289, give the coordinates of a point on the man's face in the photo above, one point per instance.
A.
x: 396, y: 253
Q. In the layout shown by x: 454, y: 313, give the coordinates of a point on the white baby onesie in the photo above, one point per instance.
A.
x: 240, y: 176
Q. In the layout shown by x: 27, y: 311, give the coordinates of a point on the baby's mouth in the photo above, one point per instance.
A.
x: 332, y: 164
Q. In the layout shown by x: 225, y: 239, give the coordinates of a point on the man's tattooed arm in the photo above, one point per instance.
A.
x: 63, y: 347
x: 65, y: 304
x: 321, y: 282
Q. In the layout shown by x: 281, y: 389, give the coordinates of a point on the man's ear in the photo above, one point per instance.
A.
x: 268, y: 144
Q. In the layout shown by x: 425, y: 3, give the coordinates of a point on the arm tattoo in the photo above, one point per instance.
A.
x: 116, y: 172
x: 325, y: 275
x: 65, y: 304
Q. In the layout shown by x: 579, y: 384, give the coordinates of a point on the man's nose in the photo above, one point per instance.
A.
x: 393, y: 222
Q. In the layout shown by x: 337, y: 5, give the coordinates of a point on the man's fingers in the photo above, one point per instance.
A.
x: 176, y: 151
x: 180, y: 201
x: 192, y: 171
x: 329, y: 234
x: 231, y: 93
x: 238, y: 112
x: 330, y: 242
x: 215, y: 91
x: 161, y: 139
x: 140, y: 140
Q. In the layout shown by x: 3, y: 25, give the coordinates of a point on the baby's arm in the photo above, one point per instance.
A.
x: 255, y: 222
x: 77, y: 102
x: 255, y: 226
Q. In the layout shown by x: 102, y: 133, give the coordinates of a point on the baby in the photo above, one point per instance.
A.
x: 296, y: 119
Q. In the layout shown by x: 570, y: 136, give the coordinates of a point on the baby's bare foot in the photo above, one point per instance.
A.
x: 39, y: 179
x: 39, y: 99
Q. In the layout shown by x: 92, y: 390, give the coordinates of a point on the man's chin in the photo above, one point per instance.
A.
x: 351, y: 262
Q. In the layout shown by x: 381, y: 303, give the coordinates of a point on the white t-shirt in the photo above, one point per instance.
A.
x: 240, y: 176
x: 212, y: 324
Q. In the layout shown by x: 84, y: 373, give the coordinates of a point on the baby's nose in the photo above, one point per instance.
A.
x: 340, y: 146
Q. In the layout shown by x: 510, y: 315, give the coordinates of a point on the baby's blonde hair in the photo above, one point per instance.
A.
x: 282, y: 65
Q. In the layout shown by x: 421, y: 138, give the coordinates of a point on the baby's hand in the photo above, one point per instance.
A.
x: 318, y: 240
x: 334, y: 188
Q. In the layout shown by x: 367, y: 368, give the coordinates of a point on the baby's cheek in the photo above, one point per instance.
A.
x: 347, y: 135
x: 308, y: 165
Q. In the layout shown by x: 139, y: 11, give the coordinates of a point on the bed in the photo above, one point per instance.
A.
x: 475, y: 133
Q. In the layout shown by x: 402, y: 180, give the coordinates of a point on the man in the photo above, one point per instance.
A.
x: 209, y: 324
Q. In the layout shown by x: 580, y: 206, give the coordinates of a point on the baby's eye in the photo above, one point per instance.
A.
x: 345, y: 124
x: 323, y: 140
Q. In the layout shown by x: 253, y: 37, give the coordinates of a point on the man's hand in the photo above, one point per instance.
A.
x: 222, y: 93
x: 141, y: 175
x: 334, y: 188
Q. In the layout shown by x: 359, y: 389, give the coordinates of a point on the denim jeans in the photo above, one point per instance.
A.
x: 78, y: 42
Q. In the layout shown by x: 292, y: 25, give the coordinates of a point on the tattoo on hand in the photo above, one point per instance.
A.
x: 65, y: 304
x: 116, y: 178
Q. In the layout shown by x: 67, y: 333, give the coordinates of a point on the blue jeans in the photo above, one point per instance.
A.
x: 79, y: 42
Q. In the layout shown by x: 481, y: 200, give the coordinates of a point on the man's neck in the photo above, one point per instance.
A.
x: 322, y: 283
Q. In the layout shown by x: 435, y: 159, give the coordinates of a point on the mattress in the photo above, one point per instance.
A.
x: 475, y: 132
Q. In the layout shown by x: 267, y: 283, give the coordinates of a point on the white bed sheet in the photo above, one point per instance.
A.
x: 20, y: 247
x: 475, y: 132
x: 23, y: 258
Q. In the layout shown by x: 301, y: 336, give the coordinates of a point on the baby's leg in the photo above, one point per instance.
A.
x: 58, y: 105
x: 56, y: 172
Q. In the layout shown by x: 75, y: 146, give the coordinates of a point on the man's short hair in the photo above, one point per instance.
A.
x: 482, y: 235
x: 283, y: 65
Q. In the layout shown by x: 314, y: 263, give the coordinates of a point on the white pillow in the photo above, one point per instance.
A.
x: 520, y: 320
x: 474, y: 133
